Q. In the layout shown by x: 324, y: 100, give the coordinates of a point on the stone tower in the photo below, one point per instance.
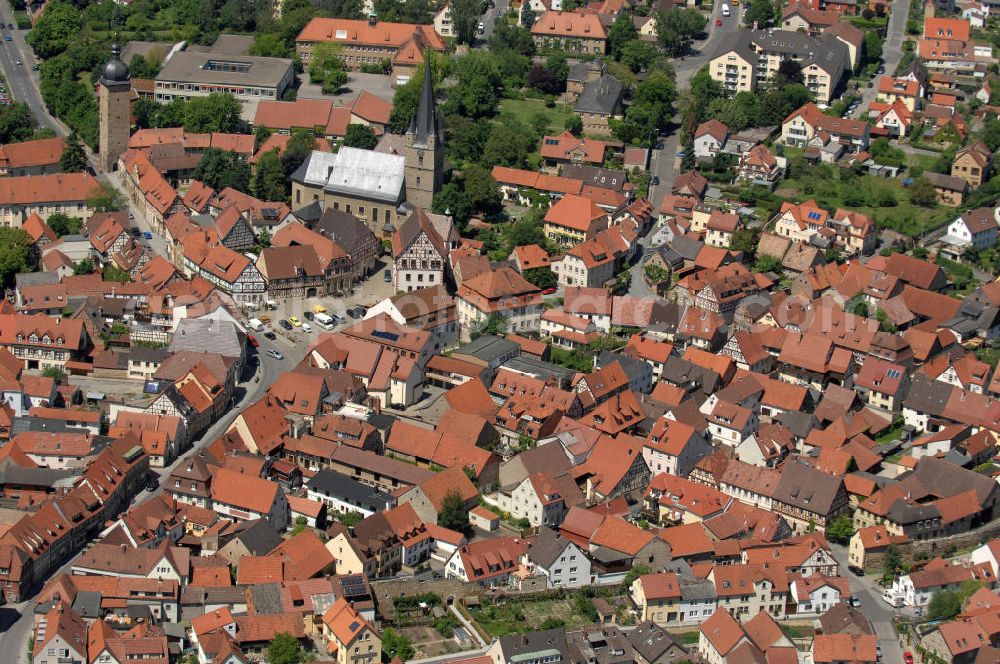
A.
x: 114, y: 95
x: 424, y: 154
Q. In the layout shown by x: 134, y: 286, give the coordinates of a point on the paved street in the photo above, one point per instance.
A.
x: 662, y: 161
x: 874, y: 608
x: 892, y: 52
x: 22, y: 82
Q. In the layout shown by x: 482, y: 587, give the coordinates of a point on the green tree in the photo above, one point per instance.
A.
x: 269, y: 45
x: 63, y: 224
x: 922, y: 193
x: 945, y: 605
x: 15, y: 251
x: 840, y: 529
x: 221, y: 168
x: 767, y: 263
x: 327, y: 67
x: 574, y: 125
x: 789, y: 72
x: 405, y: 101
x: 872, y: 47
x: 453, y: 515
x: 508, y: 37
x: 506, y: 146
x: 482, y: 189
x: 285, y: 649
x: 16, y: 123
x: 269, y: 181
x: 760, y: 12
x: 55, y: 373
x: 115, y: 273
x: 57, y: 26
x: 622, y: 31
x: 217, y: 112
x: 395, y: 644
x: 676, y: 28
x: 105, y: 198
x: 638, y: 55
x: 744, y: 240
x: 892, y: 562
x: 465, y: 18
x: 477, y: 92
x: 73, y: 159
x: 634, y: 573
x: 141, y: 67
x: 299, y: 147
x: 991, y: 133
x: 542, y: 277
x: 84, y: 266
x: 650, y: 111
x: 360, y: 136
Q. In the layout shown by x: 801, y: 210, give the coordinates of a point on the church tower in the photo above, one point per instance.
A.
x: 424, y: 153
x: 114, y: 95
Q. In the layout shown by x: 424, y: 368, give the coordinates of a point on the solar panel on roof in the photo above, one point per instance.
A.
x: 388, y: 336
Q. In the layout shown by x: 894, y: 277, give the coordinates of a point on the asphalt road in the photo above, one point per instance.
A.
x: 662, y: 161
x: 892, y: 52
x: 22, y: 82
x: 877, y: 611
x: 489, y: 19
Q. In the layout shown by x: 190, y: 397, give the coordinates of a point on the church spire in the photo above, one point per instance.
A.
x: 424, y: 126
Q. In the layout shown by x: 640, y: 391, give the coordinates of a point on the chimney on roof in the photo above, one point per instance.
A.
x: 372, y: 19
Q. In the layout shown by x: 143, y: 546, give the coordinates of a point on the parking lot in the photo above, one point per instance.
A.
x: 366, y: 293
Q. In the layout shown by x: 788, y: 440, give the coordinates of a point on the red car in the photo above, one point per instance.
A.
x: 253, y: 341
x: 718, y: 22
x: 548, y: 291
x: 907, y: 657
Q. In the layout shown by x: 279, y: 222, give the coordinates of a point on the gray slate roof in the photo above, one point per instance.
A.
x: 602, y: 96
x: 355, y: 172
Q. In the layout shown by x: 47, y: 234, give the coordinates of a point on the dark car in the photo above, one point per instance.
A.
x: 387, y: 276
x: 655, y: 181
x: 270, y: 335
x: 10, y: 26
x: 356, y: 312
x: 152, y: 484
x: 308, y: 315
x: 284, y: 324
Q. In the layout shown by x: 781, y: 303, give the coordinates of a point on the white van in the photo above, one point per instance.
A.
x: 306, y: 327
x: 324, y: 321
x: 255, y: 324
x: 725, y: 9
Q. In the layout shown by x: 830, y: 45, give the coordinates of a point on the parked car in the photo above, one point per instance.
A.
x: 308, y: 315
x: 148, y: 235
x: 549, y: 291
x: 319, y: 309
x: 718, y: 22
x: 907, y: 657
x: 387, y: 276
x: 276, y: 354
x: 253, y: 341
x: 18, y: 61
x: 284, y: 324
x: 270, y: 335
x: 481, y: 28
x: 6, y: 38
x: 152, y: 484
x: 655, y: 181
x: 338, y: 319
x: 10, y: 26
x: 356, y: 312
x: 294, y: 321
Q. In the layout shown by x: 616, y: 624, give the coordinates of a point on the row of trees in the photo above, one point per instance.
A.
x: 217, y: 112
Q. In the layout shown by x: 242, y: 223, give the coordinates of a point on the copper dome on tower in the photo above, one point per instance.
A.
x: 115, y: 71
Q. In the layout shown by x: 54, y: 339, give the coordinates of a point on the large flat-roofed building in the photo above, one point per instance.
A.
x: 247, y: 77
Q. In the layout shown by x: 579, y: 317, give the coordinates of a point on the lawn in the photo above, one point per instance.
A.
x: 866, y: 194
x: 526, y: 109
